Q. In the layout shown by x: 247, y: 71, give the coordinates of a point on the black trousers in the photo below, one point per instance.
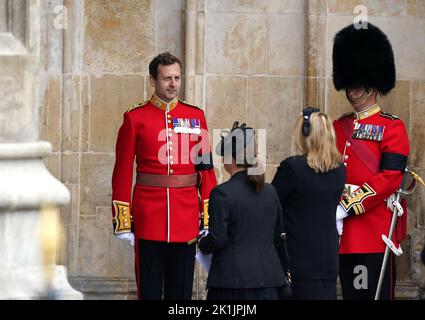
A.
x: 168, y: 266
x: 359, y: 276
x: 320, y: 289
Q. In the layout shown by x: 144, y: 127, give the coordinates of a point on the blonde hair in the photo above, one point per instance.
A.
x: 319, y: 147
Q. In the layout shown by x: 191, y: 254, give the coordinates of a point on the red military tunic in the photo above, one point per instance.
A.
x: 385, y: 145
x: 164, y: 140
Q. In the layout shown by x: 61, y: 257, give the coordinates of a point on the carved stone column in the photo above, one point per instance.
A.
x: 27, y: 264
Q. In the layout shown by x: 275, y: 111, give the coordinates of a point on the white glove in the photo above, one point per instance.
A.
x: 393, y: 204
x: 339, y: 225
x: 126, y: 236
x: 340, y: 215
x: 203, y: 233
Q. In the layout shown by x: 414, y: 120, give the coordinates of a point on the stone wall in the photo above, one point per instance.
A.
x: 95, y: 68
x: 258, y: 61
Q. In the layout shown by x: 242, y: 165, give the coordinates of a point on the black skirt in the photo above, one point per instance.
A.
x: 243, y: 294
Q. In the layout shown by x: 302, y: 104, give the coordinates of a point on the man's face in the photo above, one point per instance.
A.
x: 355, y: 92
x: 360, y: 97
x: 168, y: 82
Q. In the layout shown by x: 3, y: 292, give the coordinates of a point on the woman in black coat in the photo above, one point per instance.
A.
x: 309, y: 187
x: 243, y: 227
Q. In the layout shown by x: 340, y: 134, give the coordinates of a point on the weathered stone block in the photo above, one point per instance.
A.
x: 70, y: 168
x: 409, y: 51
x: 374, y: 8
x: 70, y: 212
x: 397, y: 102
x: 225, y: 102
x: 317, y: 7
x: 69, y: 249
x: 337, y: 103
x: 111, y: 96
x: 92, y: 248
x: 316, y: 45
x: 95, y: 181
x: 416, y: 204
x: 417, y: 129
x: 315, y: 93
x: 416, y: 8
x: 18, y: 110
x: 170, y: 32
x: 404, y: 262
x: 120, y: 256
x: 129, y: 44
x: 240, y: 42
x: 149, y: 90
x: 85, y: 114
x: 168, y: 5
x: 282, y: 99
x: 255, y: 6
x: 52, y: 163
x: 285, y: 41
x: 71, y: 114
x: 271, y: 171
x: 50, y: 119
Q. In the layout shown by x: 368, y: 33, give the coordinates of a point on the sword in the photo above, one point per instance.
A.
x: 397, y: 210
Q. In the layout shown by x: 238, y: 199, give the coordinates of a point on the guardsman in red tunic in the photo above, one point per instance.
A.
x: 375, y: 147
x: 169, y: 141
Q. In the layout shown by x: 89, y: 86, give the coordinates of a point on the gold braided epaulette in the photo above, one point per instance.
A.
x: 389, y: 115
x: 190, y: 105
x: 137, y: 105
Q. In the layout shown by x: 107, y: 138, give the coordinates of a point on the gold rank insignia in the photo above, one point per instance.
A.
x: 353, y: 202
x: 123, y: 219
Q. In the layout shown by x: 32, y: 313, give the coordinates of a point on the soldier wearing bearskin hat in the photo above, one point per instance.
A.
x: 375, y: 146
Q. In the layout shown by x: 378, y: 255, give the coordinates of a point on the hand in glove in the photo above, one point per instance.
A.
x: 202, y: 233
x: 339, y: 226
x: 126, y: 236
x: 340, y: 215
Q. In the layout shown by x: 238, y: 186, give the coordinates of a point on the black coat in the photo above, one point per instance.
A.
x: 243, y: 230
x: 309, y: 201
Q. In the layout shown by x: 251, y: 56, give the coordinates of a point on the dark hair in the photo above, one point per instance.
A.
x: 257, y: 180
x: 236, y: 144
x: 164, y: 59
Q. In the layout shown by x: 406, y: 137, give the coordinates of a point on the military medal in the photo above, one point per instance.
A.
x: 185, y: 125
x: 197, y: 126
x: 185, y: 128
x: 176, y: 125
x: 371, y: 132
x: 189, y: 126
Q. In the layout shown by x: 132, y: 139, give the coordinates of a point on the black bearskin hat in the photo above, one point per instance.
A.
x: 363, y: 57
